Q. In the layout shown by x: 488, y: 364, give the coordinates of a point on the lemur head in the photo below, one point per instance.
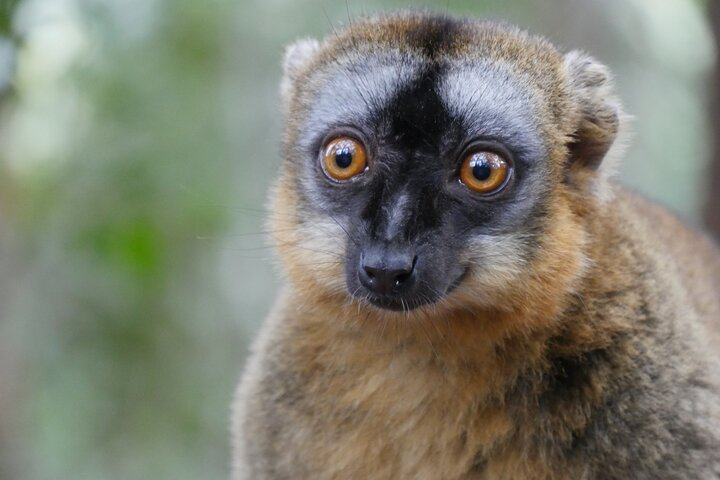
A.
x: 431, y: 161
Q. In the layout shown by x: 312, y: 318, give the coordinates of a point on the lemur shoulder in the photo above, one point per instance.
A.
x: 468, y: 295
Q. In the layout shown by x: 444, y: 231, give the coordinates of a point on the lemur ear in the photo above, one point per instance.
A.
x: 297, y: 55
x: 600, y: 111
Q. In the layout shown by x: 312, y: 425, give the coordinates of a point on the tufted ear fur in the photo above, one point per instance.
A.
x: 600, y: 110
x: 297, y: 56
x: 603, y: 129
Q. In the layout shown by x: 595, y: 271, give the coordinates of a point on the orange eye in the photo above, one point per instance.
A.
x: 343, y: 158
x: 484, y: 172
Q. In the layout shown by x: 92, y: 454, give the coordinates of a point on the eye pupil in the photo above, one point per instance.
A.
x: 482, y: 171
x: 343, y: 158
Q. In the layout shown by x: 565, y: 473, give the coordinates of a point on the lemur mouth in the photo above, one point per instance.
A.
x: 399, y: 303
x: 396, y: 304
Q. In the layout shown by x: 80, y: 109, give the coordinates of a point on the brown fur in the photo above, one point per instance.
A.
x: 525, y: 382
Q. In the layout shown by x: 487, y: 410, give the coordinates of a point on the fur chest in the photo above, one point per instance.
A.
x: 405, y: 409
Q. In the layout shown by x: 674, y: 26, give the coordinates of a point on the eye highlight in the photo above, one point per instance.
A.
x: 343, y: 158
x: 484, y: 172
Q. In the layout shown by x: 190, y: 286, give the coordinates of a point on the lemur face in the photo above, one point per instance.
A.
x: 417, y: 165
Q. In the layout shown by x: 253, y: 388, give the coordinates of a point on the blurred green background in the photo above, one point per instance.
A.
x: 137, y: 140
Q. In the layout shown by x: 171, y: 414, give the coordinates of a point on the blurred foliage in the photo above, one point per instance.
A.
x: 129, y: 370
x: 7, y: 8
x: 134, y: 160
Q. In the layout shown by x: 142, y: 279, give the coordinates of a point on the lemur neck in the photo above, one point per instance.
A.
x: 480, y: 353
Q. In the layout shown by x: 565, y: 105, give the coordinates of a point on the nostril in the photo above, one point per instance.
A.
x: 404, y: 275
x: 372, y: 272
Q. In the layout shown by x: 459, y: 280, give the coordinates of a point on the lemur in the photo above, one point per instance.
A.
x: 468, y: 294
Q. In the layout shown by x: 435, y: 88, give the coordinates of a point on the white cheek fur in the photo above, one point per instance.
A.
x: 321, y: 250
x: 495, y: 259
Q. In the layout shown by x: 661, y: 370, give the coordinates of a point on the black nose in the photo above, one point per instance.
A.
x: 387, y: 272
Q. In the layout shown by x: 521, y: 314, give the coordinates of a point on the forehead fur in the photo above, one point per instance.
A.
x: 443, y: 38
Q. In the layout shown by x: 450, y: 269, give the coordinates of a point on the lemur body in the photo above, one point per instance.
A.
x: 556, y: 327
